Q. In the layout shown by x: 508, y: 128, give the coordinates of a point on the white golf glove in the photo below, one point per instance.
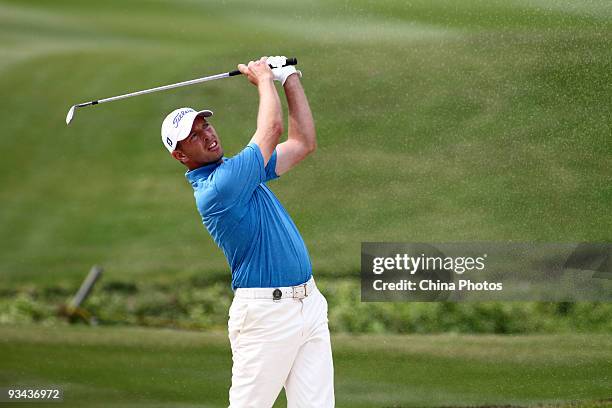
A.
x: 282, y: 73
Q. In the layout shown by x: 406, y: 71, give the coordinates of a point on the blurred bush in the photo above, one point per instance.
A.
x: 203, y: 304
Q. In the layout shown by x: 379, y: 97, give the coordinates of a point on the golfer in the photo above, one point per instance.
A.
x: 278, y: 318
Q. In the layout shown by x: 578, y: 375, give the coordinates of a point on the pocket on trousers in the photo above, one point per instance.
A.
x: 237, y: 316
x: 326, y: 308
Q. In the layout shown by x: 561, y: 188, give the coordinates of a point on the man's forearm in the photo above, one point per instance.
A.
x: 301, y: 123
x: 269, y: 116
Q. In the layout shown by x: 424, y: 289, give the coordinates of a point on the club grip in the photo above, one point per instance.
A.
x: 289, y: 61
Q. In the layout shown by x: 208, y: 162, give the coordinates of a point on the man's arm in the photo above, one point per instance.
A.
x: 269, y: 116
x: 302, y: 139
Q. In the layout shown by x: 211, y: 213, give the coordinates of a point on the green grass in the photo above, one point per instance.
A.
x: 155, y: 368
x: 437, y: 121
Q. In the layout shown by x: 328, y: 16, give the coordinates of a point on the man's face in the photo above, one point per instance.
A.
x: 201, y: 147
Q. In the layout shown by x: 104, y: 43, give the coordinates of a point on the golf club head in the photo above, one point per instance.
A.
x: 70, y: 114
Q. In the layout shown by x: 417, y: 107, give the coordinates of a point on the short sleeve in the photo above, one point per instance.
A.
x: 271, y: 168
x: 237, y: 178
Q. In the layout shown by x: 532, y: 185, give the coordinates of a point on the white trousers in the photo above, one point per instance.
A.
x: 278, y: 344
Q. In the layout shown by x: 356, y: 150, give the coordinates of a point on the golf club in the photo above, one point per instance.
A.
x: 71, y: 112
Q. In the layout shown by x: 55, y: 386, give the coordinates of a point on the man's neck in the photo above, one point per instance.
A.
x: 193, y: 166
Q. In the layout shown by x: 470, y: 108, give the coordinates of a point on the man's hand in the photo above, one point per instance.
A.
x: 257, y: 71
x: 280, y: 72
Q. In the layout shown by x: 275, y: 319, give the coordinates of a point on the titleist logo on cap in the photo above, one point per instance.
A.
x: 179, y: 116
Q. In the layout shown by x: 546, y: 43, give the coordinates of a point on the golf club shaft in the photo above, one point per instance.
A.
x: 290, y: 61
x: 162, y: 88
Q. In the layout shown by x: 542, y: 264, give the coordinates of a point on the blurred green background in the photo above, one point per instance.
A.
x: 437, y: 121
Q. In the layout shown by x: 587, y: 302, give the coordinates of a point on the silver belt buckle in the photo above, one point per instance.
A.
x: 293, y: 288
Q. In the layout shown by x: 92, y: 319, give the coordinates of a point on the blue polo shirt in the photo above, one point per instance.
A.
x: 260, y: 241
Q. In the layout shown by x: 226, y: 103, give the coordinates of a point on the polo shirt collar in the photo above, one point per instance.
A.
x: 201, y: 172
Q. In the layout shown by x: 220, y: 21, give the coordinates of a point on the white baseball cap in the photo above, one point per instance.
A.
x: 177, y: 125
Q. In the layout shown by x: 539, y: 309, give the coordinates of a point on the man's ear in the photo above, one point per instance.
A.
x: 180, y: 156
